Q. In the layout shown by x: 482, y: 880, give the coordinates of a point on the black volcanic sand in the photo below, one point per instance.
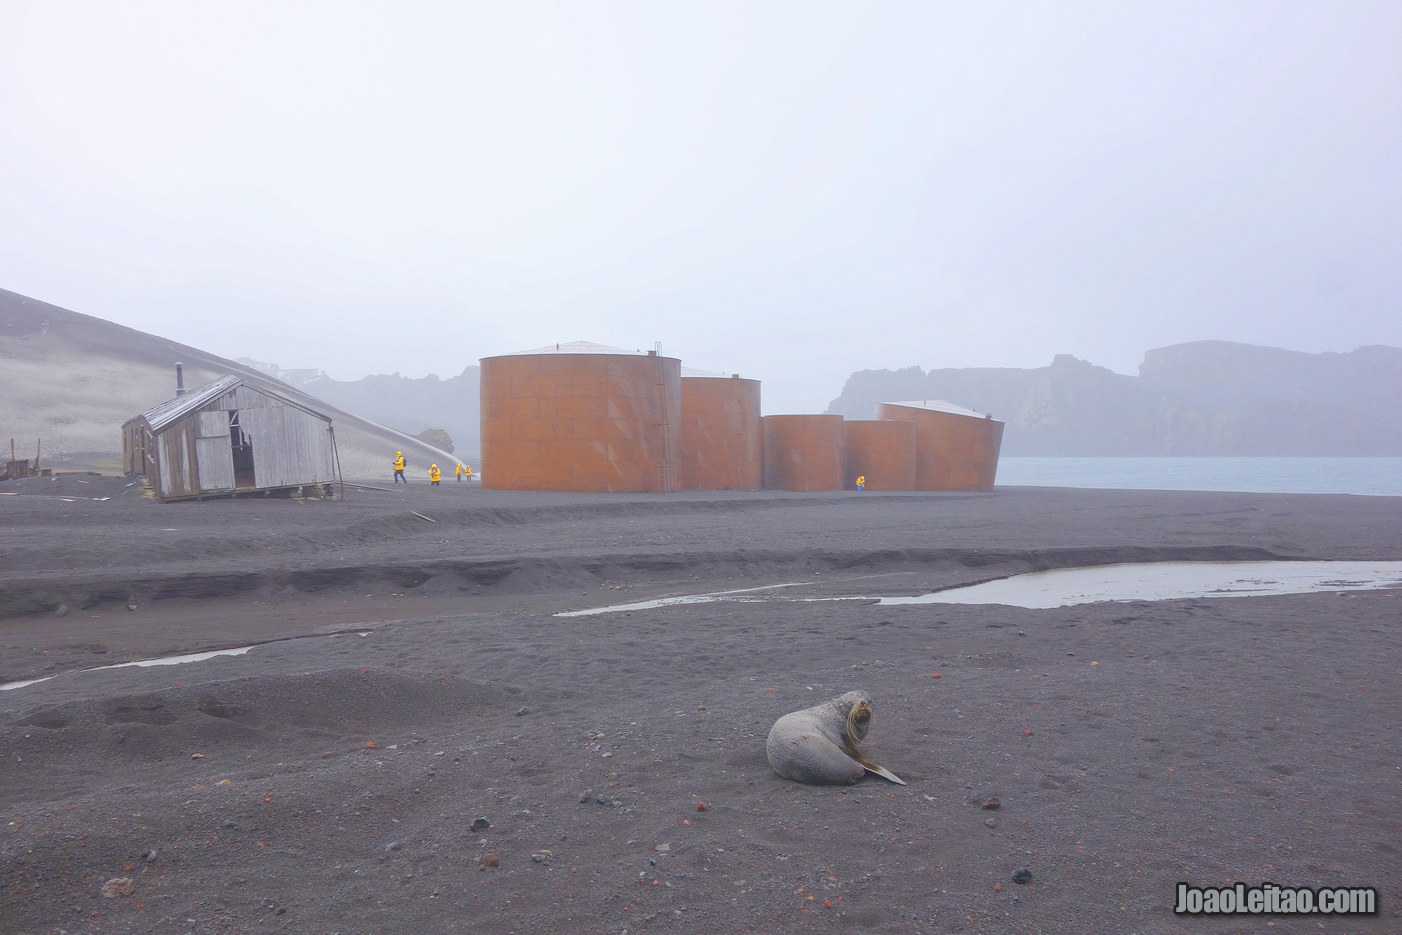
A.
x: 410, y: 678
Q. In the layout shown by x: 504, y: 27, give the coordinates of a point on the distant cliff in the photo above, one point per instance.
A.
x: 408, y: 404
x: 1202, y: 398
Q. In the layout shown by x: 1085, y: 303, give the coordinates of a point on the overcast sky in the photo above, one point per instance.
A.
x: 791, y: 191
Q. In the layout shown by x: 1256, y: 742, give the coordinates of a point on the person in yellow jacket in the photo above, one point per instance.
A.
x: 467, y: 469
x: 399, y: 467
x: 459, y: 472
x: 861, y: 481
x: 434, y: 475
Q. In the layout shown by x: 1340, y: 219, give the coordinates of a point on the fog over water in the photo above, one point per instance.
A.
x: 787, y: 191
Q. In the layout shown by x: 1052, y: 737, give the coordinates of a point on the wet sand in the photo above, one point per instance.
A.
x: 409, y: 677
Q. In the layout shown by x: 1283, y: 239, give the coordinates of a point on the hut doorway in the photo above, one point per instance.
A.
x: 242, y: 449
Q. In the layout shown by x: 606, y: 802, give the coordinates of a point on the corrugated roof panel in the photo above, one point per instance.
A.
x: 158, y: 417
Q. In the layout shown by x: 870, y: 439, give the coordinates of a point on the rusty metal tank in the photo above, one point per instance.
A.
x: 802, y: 452
x: 581, y: 417
x: 720, y: 436
x: 955, y: 448
x: 881, y: 451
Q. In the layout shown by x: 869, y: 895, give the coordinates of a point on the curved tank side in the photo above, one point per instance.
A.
x: 720, y: 434
x: 882, y: 451
x: 596, y: 423
x: 802, y: 452
x: 952, y: 451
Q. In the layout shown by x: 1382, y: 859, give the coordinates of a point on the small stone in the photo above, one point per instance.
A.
x: 601, y: 799
x: 991, y: 822
x: 991, y: 803
x: 132, y: 605
x: 117, y: 886
x: 392, y: 846
x: 540, y: 858
x: 479, y: 824
x: 584, y: 796
x: 149, y: 856
x: 1022, y: 876
x: 62, y: 611
x: 522, y: 712
x: 490, y: 860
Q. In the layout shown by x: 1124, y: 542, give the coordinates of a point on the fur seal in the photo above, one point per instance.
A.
x: 819, y: 744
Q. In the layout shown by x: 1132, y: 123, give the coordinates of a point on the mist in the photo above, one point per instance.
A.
x: 788, y: 192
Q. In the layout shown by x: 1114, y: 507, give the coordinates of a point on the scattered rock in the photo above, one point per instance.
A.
x: 601, y: 799
x: 1022, y: 876
x: 132, y: 605
x: 149, y: 856
x: 991, y: 822
x: 490, y: 860
x: 117, y: 886
x: 393, y: 846
x: 479, y: 824
x: 540, y: 858
x: 991, y: 803
x: 522, y: 712
x: 62, y: 611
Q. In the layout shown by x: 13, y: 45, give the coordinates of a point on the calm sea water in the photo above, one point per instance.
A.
x: 1370, y: 476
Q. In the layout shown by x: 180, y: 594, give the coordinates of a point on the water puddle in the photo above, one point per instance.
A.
x: 142, y: 663
x: 1165, y: 581
x: 1155, y: 581
x: 712, y: 597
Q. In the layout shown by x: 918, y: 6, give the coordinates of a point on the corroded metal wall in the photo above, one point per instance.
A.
x: 881, y: 451
x: 952, y: 451
x: 720, y: 437
x: 605, y: 423
x: 802, y: 452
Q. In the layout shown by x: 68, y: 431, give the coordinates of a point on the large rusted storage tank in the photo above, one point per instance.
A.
x: 581, y: 417
x: 955, y: 448
x: 881, y: 451
x: 802, y: 452
x: 720, y: 437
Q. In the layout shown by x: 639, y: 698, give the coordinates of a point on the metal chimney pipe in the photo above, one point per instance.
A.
x: 179, y: 379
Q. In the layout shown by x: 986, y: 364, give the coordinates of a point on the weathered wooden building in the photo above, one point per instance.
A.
x: 229, y: 437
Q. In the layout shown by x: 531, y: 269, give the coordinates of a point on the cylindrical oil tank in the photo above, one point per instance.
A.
x: 881, y: 451
x: 955, y: 448
x: 581, y: 417
x: 720, y: 437
x: 802, y: 452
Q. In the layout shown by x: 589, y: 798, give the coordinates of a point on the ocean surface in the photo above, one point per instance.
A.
x: 1364, y: 476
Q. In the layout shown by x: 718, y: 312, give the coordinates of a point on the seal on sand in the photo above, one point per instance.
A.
x: 819, y: 744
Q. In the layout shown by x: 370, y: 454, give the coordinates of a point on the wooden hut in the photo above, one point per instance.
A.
x: 229, y: 437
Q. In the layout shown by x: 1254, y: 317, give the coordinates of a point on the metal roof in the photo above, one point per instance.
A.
x: 940, y: 405
x: 172, y: 410
x: 577, y: 347
x: 158, y: 417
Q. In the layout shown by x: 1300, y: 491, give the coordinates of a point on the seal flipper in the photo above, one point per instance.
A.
x: 881, y: 771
